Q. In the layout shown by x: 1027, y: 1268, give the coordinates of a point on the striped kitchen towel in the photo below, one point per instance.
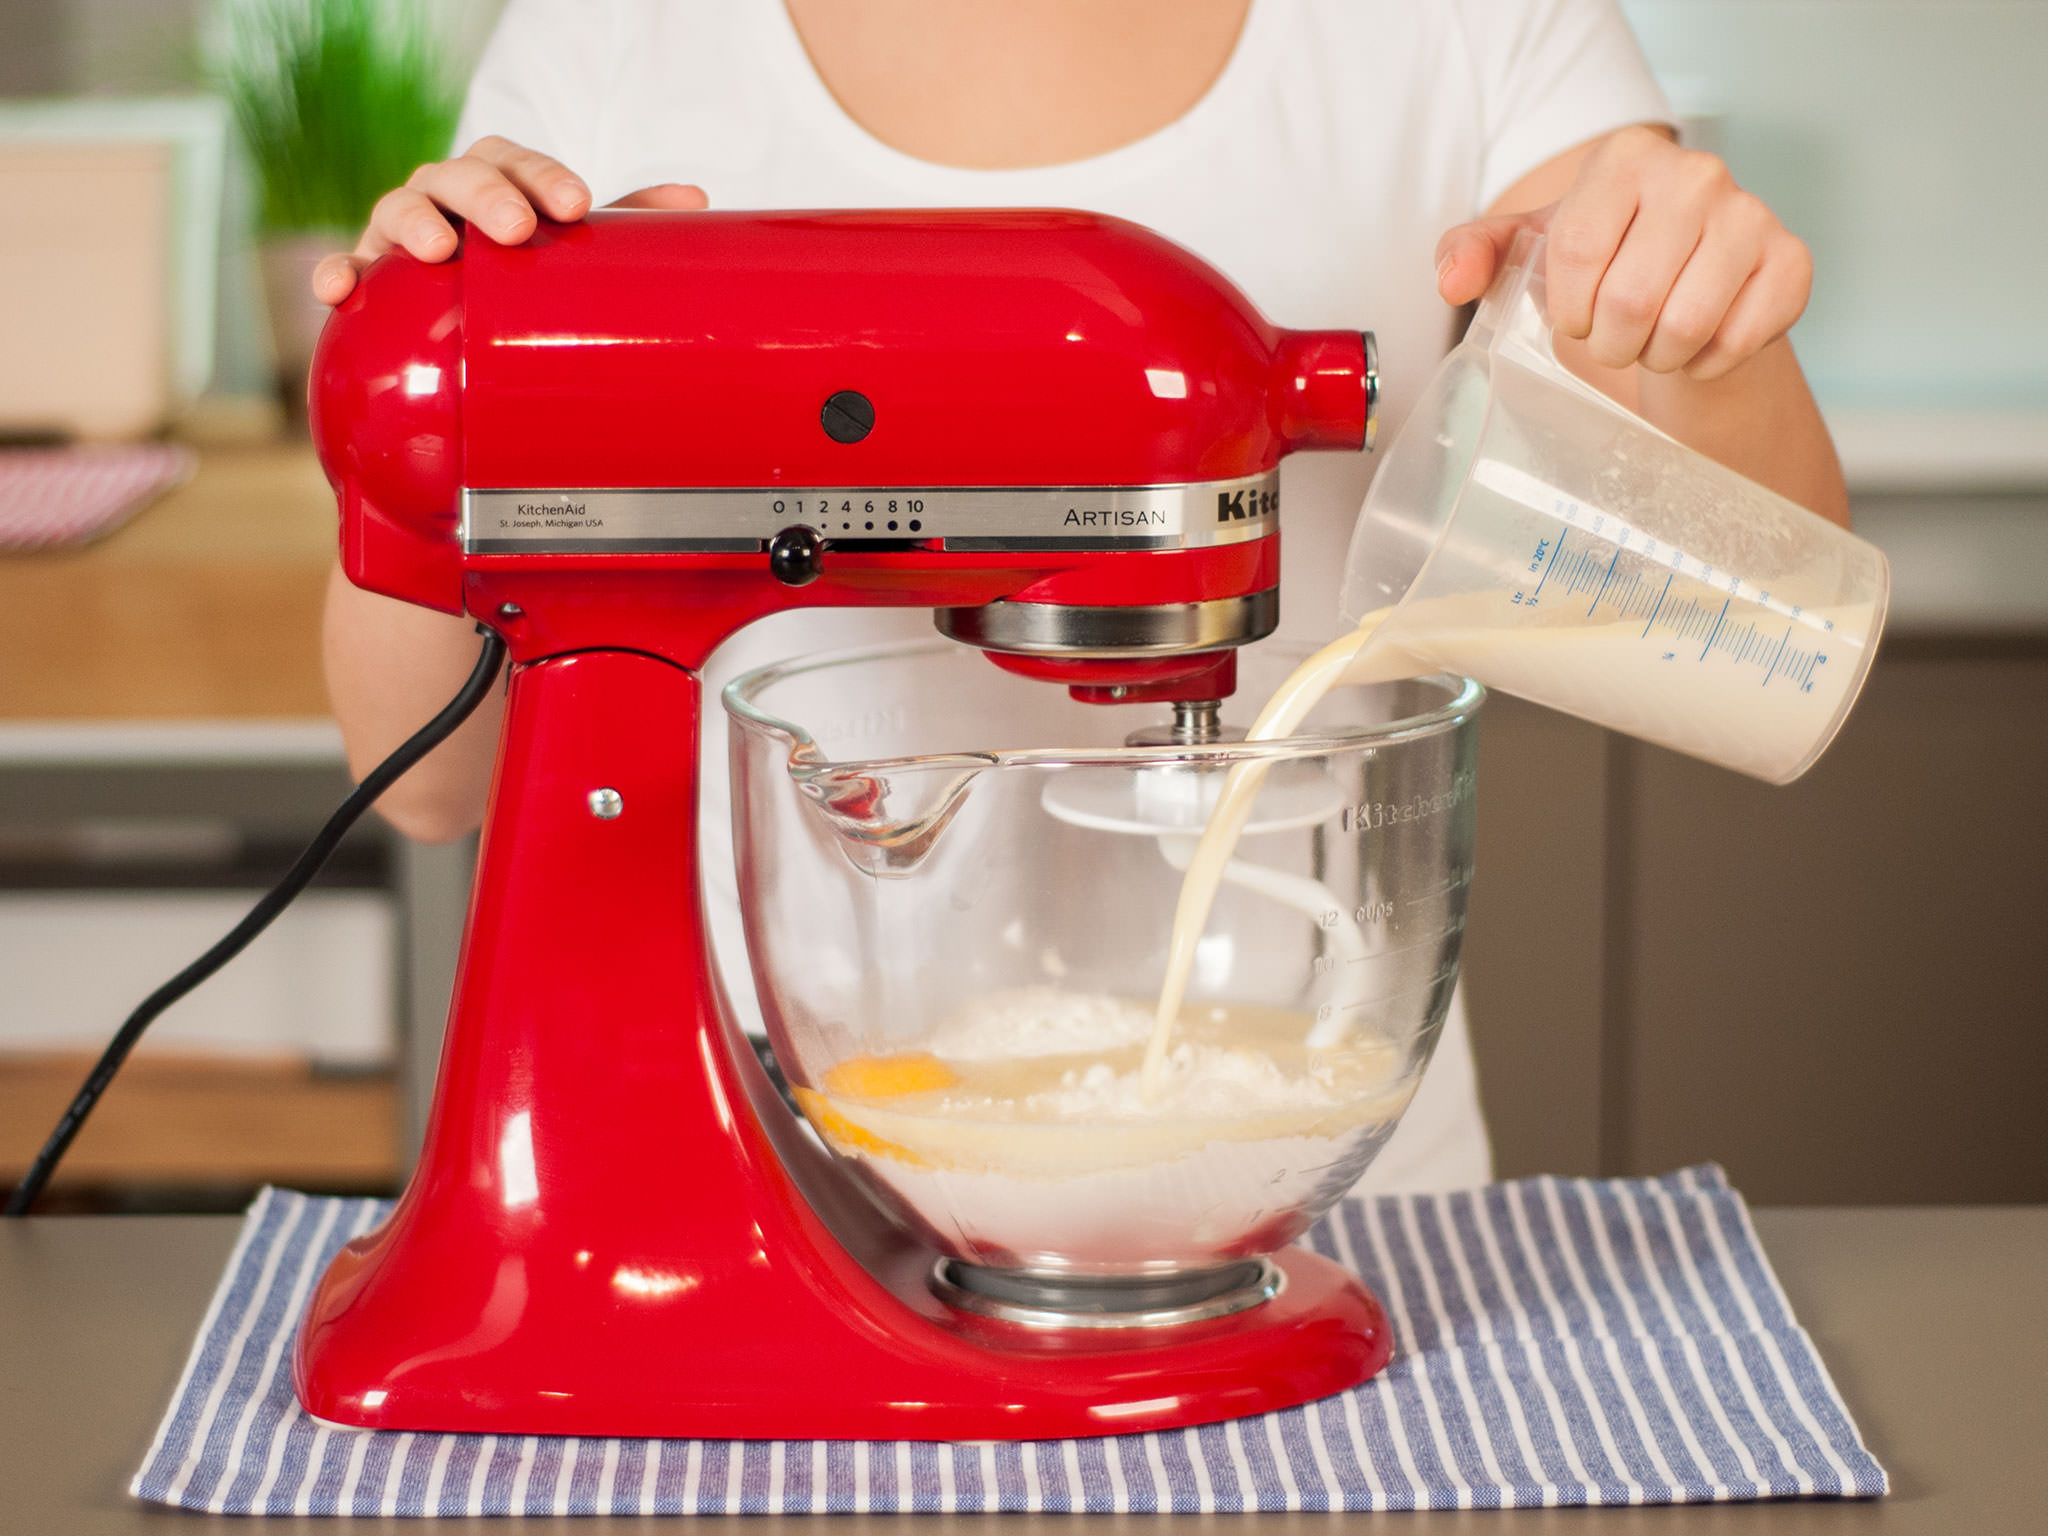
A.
x: 51, y: 496
x: 1560, y: 1341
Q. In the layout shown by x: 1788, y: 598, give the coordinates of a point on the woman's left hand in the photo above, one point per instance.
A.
x: 1654, y: 257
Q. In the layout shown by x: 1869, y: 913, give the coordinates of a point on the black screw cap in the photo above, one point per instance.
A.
x: 848, y: 416
x: 796, y: 556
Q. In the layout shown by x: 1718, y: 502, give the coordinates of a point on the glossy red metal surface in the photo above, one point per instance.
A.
x: 1206, y: 675
x: 615, y: 1227
x: 385, y: 405
x: 997, y: 348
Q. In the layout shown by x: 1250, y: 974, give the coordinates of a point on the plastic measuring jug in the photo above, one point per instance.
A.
x: 1528, y: 532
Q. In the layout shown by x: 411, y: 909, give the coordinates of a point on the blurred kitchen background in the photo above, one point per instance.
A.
x: 1837, y: 990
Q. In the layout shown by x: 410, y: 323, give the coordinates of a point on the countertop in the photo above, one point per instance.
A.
x: 1934, y: 1322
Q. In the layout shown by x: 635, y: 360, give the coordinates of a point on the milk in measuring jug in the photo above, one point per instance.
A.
x: 1747, y: 697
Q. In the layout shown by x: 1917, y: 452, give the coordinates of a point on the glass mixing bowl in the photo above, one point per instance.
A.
x: 959, y: 887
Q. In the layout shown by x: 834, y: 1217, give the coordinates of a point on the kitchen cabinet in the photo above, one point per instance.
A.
x: 1838, y: 989
x: 163, y: 693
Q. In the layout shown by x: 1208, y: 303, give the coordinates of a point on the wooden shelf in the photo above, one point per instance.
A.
x: 205, y: 604
x: 172, y: 1119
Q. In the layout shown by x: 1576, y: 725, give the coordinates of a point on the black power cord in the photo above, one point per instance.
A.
x: 260, y: 917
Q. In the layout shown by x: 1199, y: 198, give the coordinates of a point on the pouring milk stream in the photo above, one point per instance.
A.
x: 1529, y: 532
x: 1348, y: 659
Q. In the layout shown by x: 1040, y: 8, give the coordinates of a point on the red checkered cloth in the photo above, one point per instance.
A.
x: 54, y: 496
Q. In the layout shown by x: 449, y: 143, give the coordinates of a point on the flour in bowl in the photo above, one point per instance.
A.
x: 1024, y: 1131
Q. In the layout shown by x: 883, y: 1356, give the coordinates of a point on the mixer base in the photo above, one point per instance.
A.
x: 861, y: 1364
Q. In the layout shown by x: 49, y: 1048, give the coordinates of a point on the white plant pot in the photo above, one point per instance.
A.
x: 295, y: 314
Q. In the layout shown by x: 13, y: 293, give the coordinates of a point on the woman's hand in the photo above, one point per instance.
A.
x: 1654, y: 258
x: 498, y: 186
x: 1672, y: 290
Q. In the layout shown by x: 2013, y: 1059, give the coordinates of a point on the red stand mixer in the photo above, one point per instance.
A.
x: 615, y: 445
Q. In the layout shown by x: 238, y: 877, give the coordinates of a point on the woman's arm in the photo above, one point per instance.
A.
x: 390, y: 667
x: 1672, y: 289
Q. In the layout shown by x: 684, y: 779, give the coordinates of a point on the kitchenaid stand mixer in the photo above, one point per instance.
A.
x: 614, y: 446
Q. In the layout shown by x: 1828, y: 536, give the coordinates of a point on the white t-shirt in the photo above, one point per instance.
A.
x: 1341, y: 140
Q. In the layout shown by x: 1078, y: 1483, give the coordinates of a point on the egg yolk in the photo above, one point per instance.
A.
x: 848, y: 1137
x: 889, y: 1077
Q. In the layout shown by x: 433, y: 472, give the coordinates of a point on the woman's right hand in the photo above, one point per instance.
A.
x: 496, y: 185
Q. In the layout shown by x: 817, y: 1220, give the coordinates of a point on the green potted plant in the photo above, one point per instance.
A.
x: 337, y: 102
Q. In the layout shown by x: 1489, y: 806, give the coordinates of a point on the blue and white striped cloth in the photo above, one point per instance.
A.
x: 1560, y: 1341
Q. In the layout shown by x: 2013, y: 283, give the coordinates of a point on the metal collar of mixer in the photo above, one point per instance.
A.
x: 1039, y: 1300
x: 1111, y: 632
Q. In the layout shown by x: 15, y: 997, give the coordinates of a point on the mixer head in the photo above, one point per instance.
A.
x: 1057, y: 430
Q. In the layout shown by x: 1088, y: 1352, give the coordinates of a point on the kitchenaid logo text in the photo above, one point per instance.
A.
x: 561, y: 514
x: 1242, y: 506
x: 1115, y: 517
x: 1371, y: 815
x: 865, y: 726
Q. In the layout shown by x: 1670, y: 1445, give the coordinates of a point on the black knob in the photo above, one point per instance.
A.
x: 848, y: 416
x: 796, y: 556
